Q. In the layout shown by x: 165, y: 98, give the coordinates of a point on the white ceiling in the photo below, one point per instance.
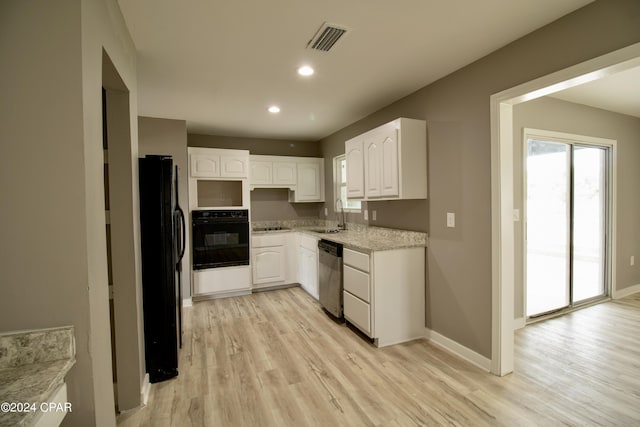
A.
x: 218, y: 64
x: 619, y: 93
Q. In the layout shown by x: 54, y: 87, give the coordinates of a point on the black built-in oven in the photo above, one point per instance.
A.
x: 220, y: 238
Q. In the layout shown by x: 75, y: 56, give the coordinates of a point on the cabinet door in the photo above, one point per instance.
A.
x: 261, y: 173
x: 268, y: 265
x: 372, y: 166
x: 311, y: 272
x: 284, y: 173
x: 234, y: 167
x: 389, y: 170
x: 309, y: 185
x: 205, y: 166
x: 308, y: 270
x: 355, y: 168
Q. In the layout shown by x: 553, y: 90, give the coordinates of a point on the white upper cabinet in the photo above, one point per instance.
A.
x: 303, y: 176
x: 372, y: 166
x: 261, y: 172
x: 355, y: 168
x: 389, y: 170
x: 284, y: 172
x: 218, y: 163
x: 234, y: 166
x: 388, y: 162
x: 310, y: 183
x: 205, y: 165
x: 273, y: 171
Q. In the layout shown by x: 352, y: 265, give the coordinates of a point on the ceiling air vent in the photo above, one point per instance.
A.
x: 326, y: 37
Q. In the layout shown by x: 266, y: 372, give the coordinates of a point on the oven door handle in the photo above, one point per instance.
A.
x: 217, y: 221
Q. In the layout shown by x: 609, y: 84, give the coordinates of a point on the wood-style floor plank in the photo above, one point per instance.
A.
x: 276, y: 359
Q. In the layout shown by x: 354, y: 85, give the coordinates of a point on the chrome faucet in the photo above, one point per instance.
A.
x: 343, y: 225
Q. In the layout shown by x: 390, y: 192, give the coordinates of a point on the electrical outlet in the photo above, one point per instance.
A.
x: 451, y: 219
x: 632, y: 261
x: 373, y: 214
x: 366, y: 215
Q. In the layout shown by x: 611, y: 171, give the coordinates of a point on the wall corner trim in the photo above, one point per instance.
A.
x: 617, y: 294
x: 144, y: 391
x: 459, y: 350
x: 519, y: 323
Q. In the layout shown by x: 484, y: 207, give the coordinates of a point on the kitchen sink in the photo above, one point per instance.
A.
x: 326, y: 230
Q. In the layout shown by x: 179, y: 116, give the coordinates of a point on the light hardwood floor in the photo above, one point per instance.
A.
x: 276, y: 359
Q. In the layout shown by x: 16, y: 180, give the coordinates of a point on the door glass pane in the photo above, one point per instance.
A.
x: 589, y: 200
x: 547, y: 231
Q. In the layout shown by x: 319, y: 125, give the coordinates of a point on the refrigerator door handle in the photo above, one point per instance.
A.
x: 181, y: 242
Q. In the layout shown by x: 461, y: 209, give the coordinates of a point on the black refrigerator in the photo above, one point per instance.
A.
x: 162, y: 230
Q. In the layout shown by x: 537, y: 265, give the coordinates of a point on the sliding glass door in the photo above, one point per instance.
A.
x: 566, y: 224
x: 589, y: 222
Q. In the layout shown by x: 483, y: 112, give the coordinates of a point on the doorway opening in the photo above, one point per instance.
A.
x: 567, y: 226
x: 502, y: 181
x: 121, y: 227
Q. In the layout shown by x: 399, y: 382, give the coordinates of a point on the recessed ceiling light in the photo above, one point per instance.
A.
x: 305, y: 70
x: 274, y: 109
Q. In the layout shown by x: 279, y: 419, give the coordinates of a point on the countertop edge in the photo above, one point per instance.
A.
x: 350, y: 238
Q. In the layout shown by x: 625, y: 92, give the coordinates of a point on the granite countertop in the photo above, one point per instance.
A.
x: 357, y: 236
x: 33, y: 365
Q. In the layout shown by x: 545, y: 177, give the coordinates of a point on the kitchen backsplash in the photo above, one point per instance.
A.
x: 271, y: 204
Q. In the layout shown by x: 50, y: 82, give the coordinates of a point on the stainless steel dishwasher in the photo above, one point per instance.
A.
x: 330, y: 276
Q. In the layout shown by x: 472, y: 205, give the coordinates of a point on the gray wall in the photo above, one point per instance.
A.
x: 561, y: 116
x: 273, y: 147
x: 456, y: 109
x: 269, y: 204
x: 165, y: 136
x: 52, y: 235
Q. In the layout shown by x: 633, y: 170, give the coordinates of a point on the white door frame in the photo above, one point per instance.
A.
x: 502, y: 234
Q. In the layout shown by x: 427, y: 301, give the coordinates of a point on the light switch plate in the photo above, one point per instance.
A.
x: 516, y: 215
x: 373, y: 215
x: 451, y: 219
x: 326, y: 212
x: 366, y: 215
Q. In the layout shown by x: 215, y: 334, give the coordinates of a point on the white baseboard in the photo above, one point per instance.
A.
x: 519, y: 323
x: 459, y: 350
x: 187, y: 302
x: 626, y: 291
x: 146, y: 388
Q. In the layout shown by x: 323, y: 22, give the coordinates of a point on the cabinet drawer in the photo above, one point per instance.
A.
x: 357, y: 312
x: 267, y: 240
x: 355, y: 259
x: 357, y: 282
x: 308, y: 242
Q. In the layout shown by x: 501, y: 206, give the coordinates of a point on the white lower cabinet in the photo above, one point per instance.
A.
x: 269, y: 265
x: 223, y: 281
x: 308, y: 264
x: 269, y: 260
x: 357, y: 312
x: 384, y: 294
x: 285, y: 258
